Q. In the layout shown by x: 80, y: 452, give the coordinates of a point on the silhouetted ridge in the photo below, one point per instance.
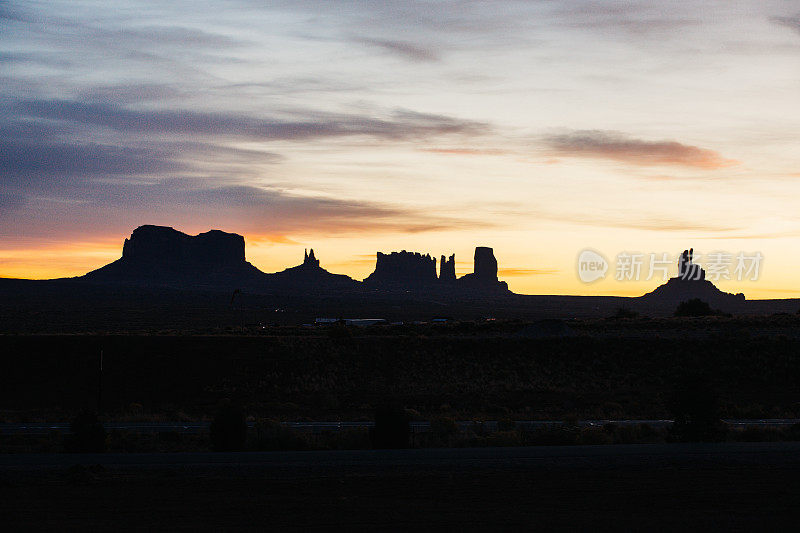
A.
x: 161, y: 256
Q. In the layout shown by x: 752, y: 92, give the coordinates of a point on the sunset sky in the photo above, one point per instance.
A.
x: 540, y: 128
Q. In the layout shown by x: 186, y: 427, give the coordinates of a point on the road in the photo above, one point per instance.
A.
x: 43, y: 428
x: 647, y: 455
x: 731, y: 486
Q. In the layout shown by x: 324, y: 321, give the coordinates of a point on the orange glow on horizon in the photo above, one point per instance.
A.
x: 272, y: 253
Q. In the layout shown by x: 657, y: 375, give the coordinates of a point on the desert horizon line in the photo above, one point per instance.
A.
x: 433, y: 258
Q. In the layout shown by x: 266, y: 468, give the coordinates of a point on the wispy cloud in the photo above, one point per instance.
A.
x: 526, y: 271
x: 618, y: 147
x: 400, y: 124
x: 407, y: 50
x: 792, y: 22
x: 644, y: 222
x: 465, y: 151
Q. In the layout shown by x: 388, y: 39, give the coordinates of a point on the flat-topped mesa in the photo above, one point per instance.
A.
x: 447, y: 269
x: 165, y: 246
x: 159, y: 255
x: 403, y: 269
x: 484, y: 275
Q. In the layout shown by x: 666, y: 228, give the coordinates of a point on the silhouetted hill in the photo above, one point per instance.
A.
x: 678, y: 290
x: 159, y: 256
x: 691, y: 283
x: 166, y: 278
x: 310, y: 275
x: 164, y: 257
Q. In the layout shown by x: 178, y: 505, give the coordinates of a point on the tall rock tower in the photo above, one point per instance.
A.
x: 484, y: 275
x: 485, y: 265
x: 447, y: 269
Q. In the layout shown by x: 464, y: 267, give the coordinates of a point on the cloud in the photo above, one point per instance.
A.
x: 56, y: 160
x: 465, y: 151
x: 641, y: 222
x: 9, y: 13
x: 199, y: 203
x: 168, y: 35
x: 642, y: 20
x: 131, y: 93
x: 404, y: 49
x: 400, y: 124
x: 792, y: 22
x: 618, y: 147
x: 49, y: 60
x: 526, y: 271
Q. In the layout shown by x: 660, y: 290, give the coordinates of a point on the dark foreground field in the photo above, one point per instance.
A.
x: 602, y: 369
x: 657, y: 487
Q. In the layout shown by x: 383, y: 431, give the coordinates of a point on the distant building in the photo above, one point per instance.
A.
x: 351, y: 321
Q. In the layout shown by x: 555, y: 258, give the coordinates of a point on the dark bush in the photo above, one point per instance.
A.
x: 757, y: 434
x: 625, y: 312
x: 228, y: 431
x: 87, y: 434
x: 444, y: 431
x: 560, y: 435
x: 504, y: 439
x: 695, y: 411
x: 272, y: 435
x: 694, y: 307
x: 392, y: 427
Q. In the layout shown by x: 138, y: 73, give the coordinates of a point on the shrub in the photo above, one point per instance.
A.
x: 272, y: 435
x: 561, y: 435
x: 624, y: 312
x: 632, y: 434
x: 228, y: 431
x: 694, y: 307
x: 695, y: 411
x: 444, y: 430
x: 351, y: 439
x: 87, y: 434
x: 506, y: 424
x: 504, y: 439
x: 392, y: 427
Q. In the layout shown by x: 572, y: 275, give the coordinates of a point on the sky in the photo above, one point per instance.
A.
x: 540, y: 128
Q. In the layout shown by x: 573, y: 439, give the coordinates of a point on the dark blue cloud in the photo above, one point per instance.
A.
x: 400, y: 125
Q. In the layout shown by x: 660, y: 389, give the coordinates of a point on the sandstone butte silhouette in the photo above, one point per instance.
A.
x: 691, y: 282
x: 163, y: 256
x: 159, y: 255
